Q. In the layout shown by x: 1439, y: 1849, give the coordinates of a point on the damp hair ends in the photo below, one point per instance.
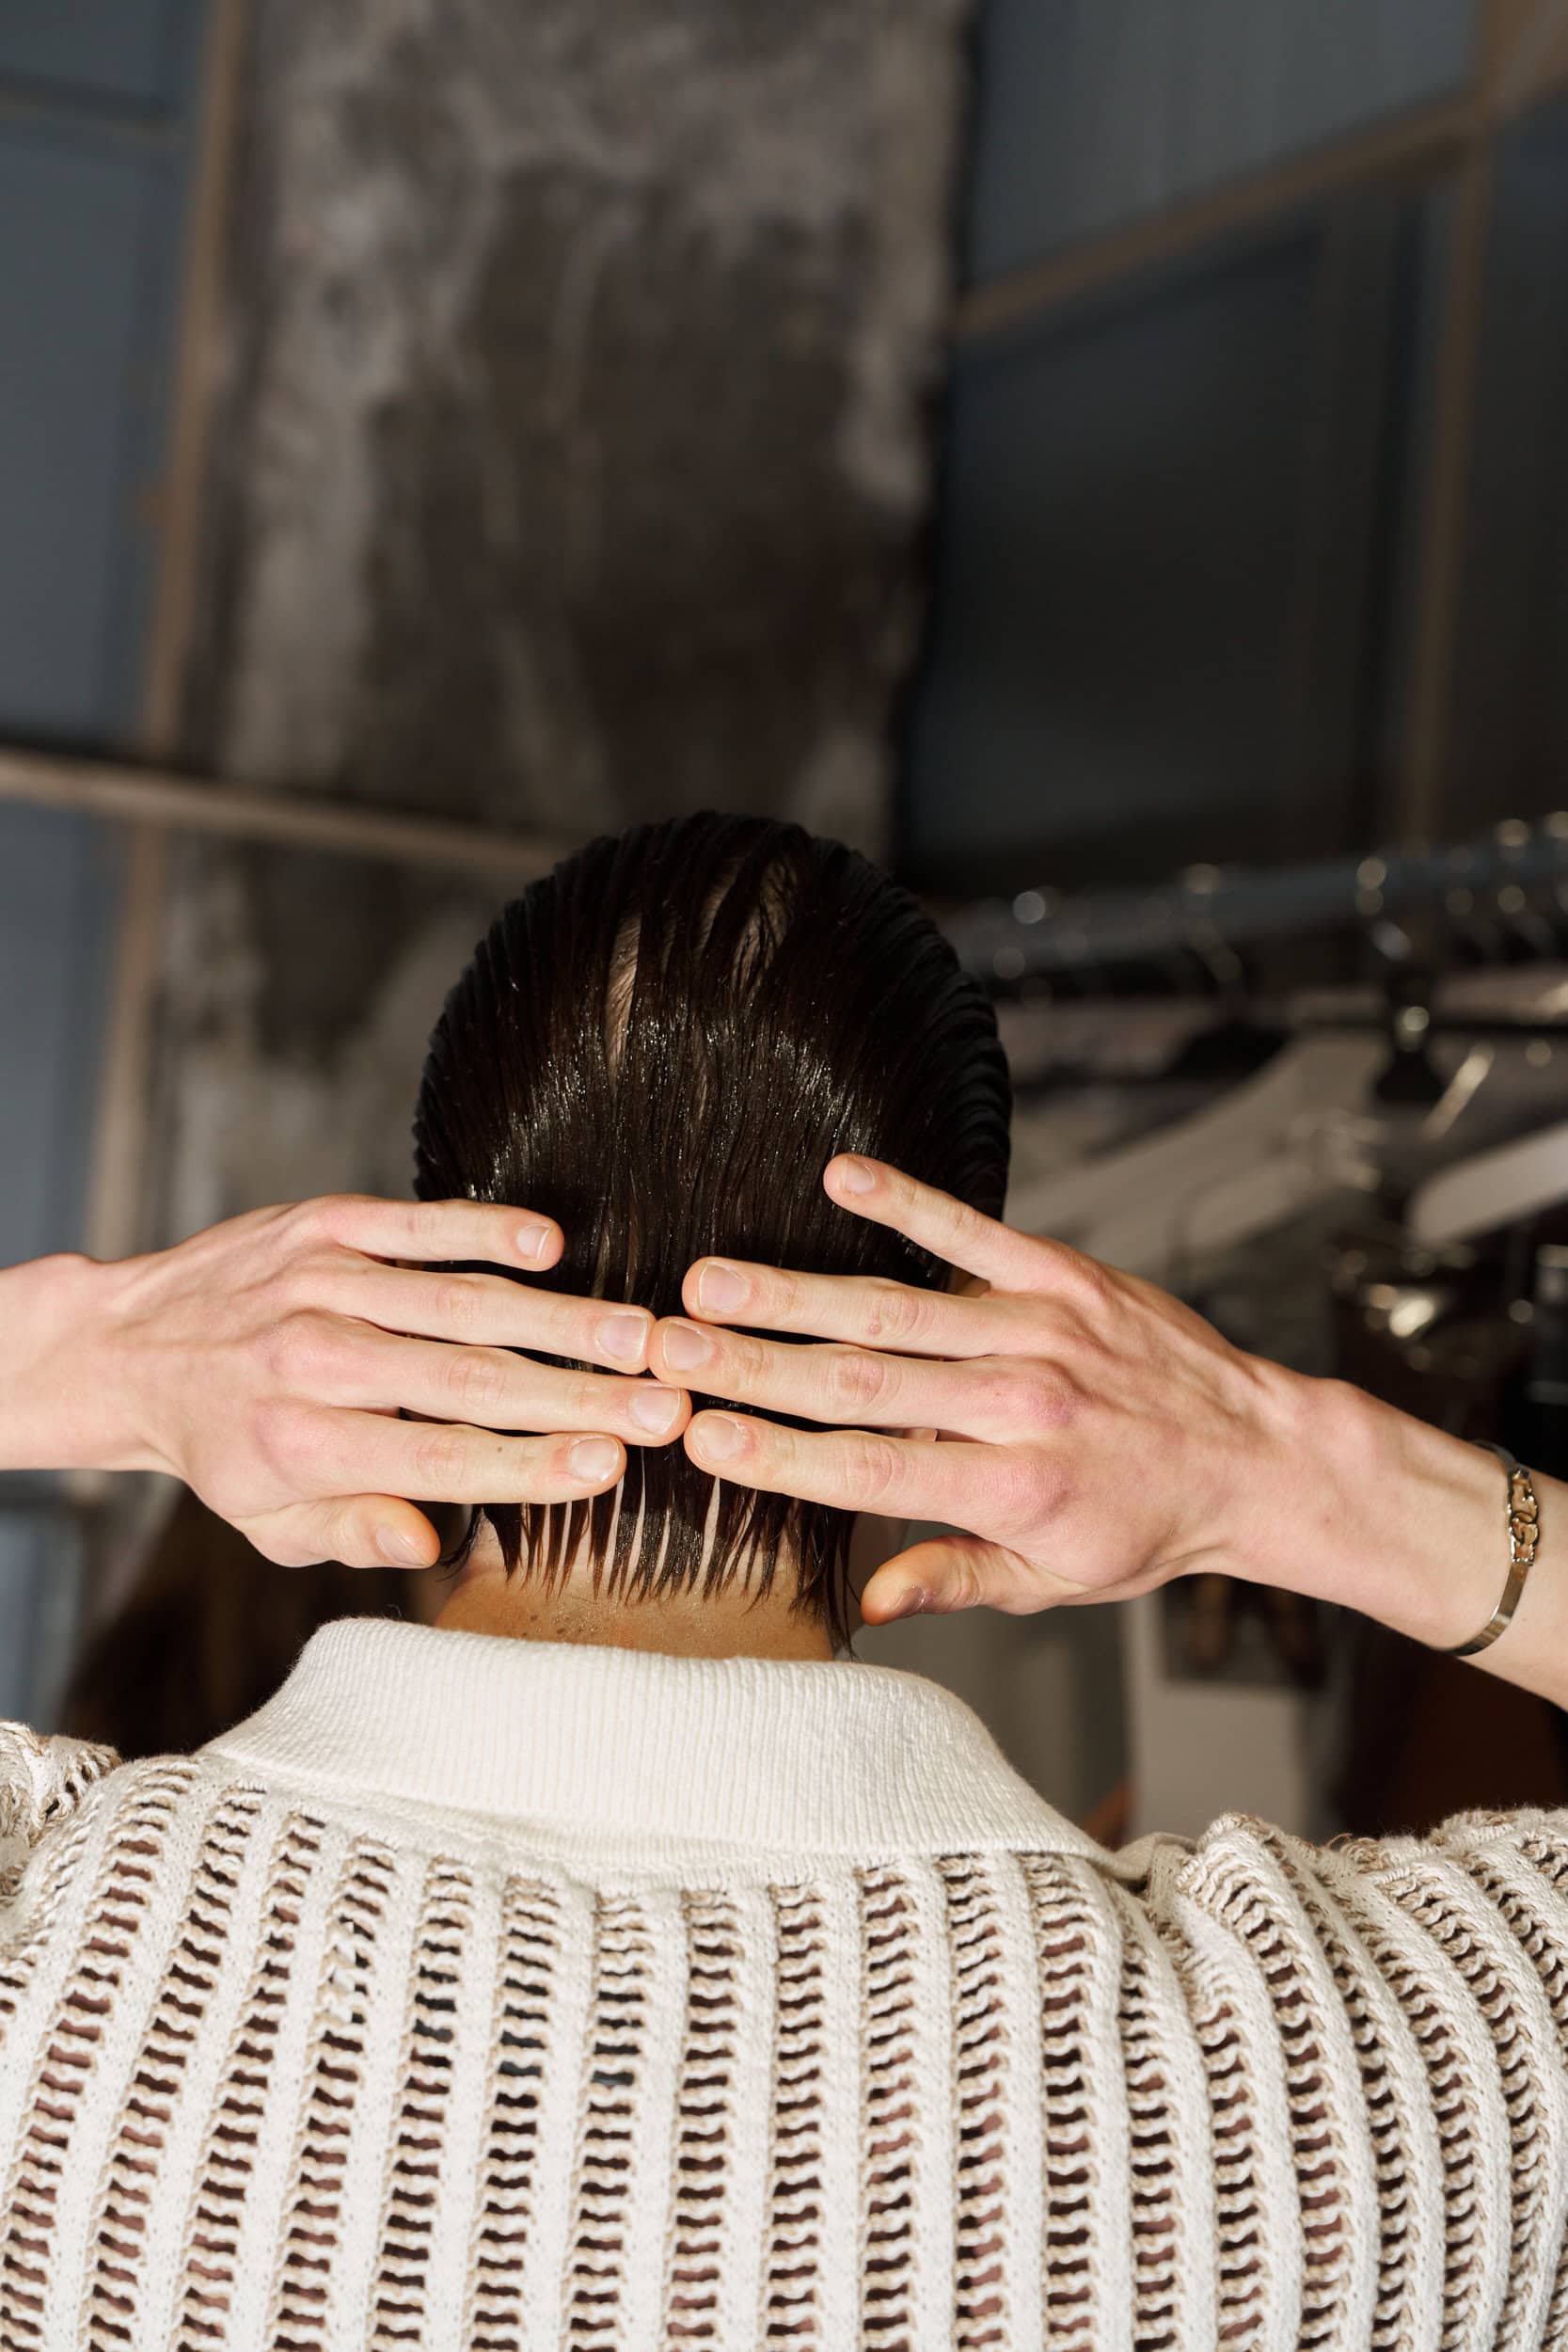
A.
x: 662, y: 1046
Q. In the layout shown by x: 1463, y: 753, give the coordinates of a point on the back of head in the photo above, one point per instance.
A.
x: 661, y: 1046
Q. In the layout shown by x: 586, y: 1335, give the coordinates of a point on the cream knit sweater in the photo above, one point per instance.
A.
x: 479, y: 1994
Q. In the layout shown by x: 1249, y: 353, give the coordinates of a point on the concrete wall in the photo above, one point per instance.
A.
x: 568, y: 469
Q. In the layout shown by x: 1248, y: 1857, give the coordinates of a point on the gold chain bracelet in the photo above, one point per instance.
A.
x: 1524, y: 1537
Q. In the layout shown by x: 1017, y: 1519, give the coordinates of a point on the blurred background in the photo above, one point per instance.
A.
x: 1103, y: 457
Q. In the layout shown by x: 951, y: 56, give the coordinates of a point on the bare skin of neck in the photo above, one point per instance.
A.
x: 738, y: 1624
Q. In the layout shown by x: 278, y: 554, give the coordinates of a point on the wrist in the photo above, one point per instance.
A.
x: 1411, y: 1525
x: 63, y: 1402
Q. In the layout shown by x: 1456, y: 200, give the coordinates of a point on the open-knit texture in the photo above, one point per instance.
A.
x: 493, y: 1996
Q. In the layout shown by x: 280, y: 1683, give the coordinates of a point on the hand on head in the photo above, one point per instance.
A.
x: 1095, y: 1438
x: 270, y: 1360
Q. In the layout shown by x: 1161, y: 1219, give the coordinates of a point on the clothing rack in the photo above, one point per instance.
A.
x: 1042, y: 933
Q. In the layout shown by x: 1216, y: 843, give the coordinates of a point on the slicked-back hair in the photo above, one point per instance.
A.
x: 662, y: 1046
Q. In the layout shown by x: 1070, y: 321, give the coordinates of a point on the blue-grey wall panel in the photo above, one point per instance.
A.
x: 84, y: 276
x: 1508, y: 744
x: 1091, y: 113
x: 1118, y: 575
x: 72, y: 229
x: 96, y: 107
x: 59, y: 880
x: 129, y: 50
x: 94, y: 156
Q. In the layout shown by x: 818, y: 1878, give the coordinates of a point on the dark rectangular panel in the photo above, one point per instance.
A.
x: 126, y: 49
x: 1150, y: 641
x: 60, y: 881
x: 83, y: 282
x: 1094, y: 113
x: 1507, y: 696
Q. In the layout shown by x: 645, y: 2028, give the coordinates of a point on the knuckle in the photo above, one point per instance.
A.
x: 307, y: 1221
x: 853, y: 1381
x: 964, y: 1587
x: 346, y: 1537
x: 874, y: 1467
x: 327, y: 1220
x: 305, y: 1281
x: 754, y: 1365
x: 301, y: 1351
x: 780, y: 1293
x: 477, y: 1383
x: 1030, y: 1492
x: 457, y: 1302
x: 588, y: 1400
x: 1090, y: 1284
x: 896, y: 1313
x: 1037, y: 1404
x: 956, y: 1221
x: 288, y: 1438
x: 440, y: 1458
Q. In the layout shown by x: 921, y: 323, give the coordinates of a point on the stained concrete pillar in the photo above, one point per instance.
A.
x: 569, y: 467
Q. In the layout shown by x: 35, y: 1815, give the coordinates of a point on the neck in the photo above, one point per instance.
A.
x: 734, y: 1624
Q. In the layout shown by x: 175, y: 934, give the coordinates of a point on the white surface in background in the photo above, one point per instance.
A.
x: 1201, y: 1748
x: 40, y: 1586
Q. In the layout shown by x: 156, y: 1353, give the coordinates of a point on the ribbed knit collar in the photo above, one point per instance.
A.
x: 622, y: 1745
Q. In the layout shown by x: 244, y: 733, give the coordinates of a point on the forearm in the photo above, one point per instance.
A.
x: 60, y: 1405
x: 1409, y: 1526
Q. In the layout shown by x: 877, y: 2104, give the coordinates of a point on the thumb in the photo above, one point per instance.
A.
x: 361, y: 1531
x: 952, y: 1572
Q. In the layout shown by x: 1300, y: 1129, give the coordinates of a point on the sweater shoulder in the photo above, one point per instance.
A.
x: 44, y: 1780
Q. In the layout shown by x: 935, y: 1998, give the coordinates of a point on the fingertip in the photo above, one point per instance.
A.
x: 658, y: 1363
x: 402, y: 1538
x: 540, y: 1242
x: 850, y: 1177
x: 897, y: 1600
x: 699, y: 1294
x: 623, y: 1338
x: 595, y: 1463
x: 660, y: 1410
x: 716, y: 1441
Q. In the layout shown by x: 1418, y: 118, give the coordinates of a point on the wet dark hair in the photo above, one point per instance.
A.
x: 662, y: 1046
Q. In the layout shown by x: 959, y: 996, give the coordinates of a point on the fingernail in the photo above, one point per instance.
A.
x: 722, y: 1436
x: 855, y: 1176
x: 720, y: 1290
x: 655, y: 1409
x: 400, y: 1549
x: 686, y: 1347
x: 595, y: 1458
x: 533, y: 1240
x: 624, y: 1337
x: 911, y: 1601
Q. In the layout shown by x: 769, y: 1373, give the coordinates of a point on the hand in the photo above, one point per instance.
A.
x: 1096, y: 1437
x: 265, y: 1363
